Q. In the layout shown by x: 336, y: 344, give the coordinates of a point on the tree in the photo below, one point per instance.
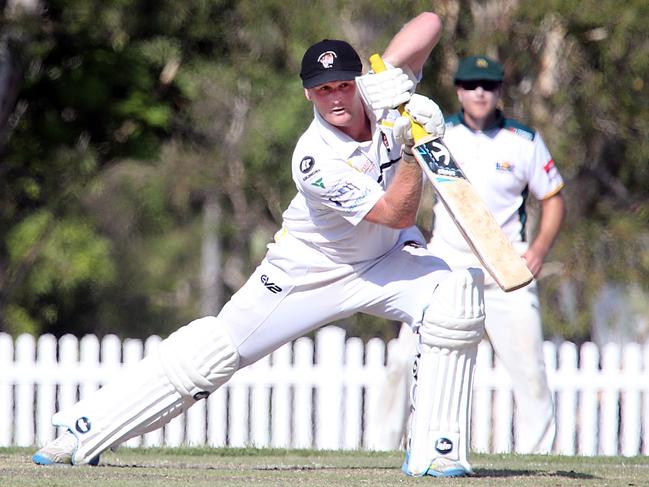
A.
x: 145, y: 138
x: 574, y: 71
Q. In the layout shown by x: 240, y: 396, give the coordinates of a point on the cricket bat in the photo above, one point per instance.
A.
x: 467, y: 209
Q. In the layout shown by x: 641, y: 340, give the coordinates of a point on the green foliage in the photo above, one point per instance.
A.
x: 18, y: 321
x: 68, y: 254
x: 574, y: 71
x: 133, y: 113
x: 60, y: 258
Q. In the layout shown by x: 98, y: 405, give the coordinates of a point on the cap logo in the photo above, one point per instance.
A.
x: 327, y: 59
x: 481, y: 63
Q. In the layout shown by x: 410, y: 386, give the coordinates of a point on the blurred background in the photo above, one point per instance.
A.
x: 145, y: 149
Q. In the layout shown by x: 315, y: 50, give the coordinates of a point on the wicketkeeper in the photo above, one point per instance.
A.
x: 348, y: 244
x: 508, y: 163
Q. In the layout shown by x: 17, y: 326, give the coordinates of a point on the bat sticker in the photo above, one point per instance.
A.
x: 439, y: 159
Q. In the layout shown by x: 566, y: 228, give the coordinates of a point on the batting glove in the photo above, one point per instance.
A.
x: 387, y: 89
x: 402, y: 131
x: 403, y: 135
x: 426, y: 113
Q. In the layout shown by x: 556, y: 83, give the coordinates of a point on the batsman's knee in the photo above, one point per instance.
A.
x: 451, y: 328
x: 454, y: 318
x: 198, y: 358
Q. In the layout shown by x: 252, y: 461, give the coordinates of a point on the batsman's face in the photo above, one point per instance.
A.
x: 338, y: 103
x: 479, y: 102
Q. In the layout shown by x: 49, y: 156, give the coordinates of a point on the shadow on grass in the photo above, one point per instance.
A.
x: 478, y: 473
x: 500, y: 473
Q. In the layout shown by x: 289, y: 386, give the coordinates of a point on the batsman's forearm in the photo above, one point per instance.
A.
x: 404, y: 194
x: 398, y: 206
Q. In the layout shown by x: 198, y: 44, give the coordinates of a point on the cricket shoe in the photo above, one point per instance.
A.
x: 59, y: 451
x: 440, y: 467
x: 443, y: 467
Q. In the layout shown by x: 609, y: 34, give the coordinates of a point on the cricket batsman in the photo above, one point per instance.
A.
x: 348, y: 244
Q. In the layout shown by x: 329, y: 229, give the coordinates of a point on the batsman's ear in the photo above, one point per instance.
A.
x: 306, y: 94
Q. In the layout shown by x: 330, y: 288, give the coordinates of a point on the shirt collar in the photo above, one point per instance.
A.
x: 498, y: 123
x: 342, y: 143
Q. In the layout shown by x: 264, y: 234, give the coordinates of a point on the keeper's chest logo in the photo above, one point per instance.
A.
x: 505, y: 166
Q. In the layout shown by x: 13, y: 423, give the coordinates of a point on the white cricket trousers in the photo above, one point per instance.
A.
x: 296, y: 290
x: 513, y: 325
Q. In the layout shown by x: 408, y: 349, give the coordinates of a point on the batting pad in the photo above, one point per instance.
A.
x: 452, y: 327
x: 441, y: 403
x: 190, y: 364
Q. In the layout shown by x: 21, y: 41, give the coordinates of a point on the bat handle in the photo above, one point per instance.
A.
x: 418, y: 132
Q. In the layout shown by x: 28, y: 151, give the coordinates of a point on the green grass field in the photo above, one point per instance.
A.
x: 198, y: 467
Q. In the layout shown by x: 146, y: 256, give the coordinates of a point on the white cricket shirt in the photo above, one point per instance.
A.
x: 339, y: 180
x: 504, y: 164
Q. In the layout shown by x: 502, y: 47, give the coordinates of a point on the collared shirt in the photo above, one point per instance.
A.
x: 504, y: 163
x: 339, y: 180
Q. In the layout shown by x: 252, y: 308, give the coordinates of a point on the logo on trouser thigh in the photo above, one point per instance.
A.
x: 82, y: 425
x: 271, y: 286
x: 443, y: 446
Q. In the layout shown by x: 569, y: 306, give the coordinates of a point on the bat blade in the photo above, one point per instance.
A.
x: 466, y: 207
x: 472, y: 216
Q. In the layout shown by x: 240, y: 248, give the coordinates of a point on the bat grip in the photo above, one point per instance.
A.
x: 418, y: 132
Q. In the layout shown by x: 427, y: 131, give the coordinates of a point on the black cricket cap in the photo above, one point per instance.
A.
x: 479, y: 68
x: 329, y: 60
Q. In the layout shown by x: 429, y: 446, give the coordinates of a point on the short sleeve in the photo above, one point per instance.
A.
x: 330, y: 184
x: 544, y: 178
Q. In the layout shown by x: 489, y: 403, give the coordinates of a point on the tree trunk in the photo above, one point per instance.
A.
x: 211, y: 294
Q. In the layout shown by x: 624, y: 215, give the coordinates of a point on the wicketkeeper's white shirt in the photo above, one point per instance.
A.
x: 504, y: 164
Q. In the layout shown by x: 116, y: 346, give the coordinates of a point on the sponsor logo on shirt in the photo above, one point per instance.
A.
x: 310, y: 175
x: 361, y: 164
x: 306, y: 164
x: 347, y: 195
x: 551, y: 170
x: 505, y: 166
x: 521, y: 132
x: 318, y: 183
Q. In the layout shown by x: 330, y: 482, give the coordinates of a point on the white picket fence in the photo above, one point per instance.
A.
x: 324, y: 395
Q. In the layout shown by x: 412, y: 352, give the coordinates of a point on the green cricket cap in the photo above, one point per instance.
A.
x: 479, y: 68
